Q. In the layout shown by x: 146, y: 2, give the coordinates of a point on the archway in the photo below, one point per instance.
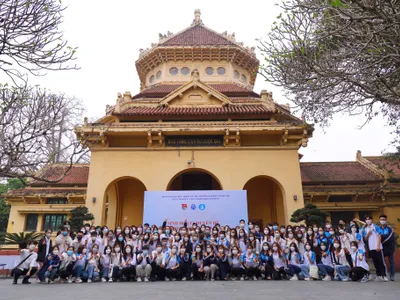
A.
x: 265, y: 202
x: 194, y: 179
x: 124, y: 198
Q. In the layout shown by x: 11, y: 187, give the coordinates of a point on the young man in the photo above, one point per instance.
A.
x: 388, y: 243
x: 27, y: 264
x: 372, y: 233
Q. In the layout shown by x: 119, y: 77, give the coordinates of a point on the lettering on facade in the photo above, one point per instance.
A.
x: 194, y: 141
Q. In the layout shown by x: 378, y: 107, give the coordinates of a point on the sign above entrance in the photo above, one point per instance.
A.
x: 203, y: 207
x: 194, y: 141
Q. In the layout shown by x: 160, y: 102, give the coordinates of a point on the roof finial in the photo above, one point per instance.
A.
x: 197, y: 20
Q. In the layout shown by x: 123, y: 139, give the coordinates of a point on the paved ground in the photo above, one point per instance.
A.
x: 231, y: 290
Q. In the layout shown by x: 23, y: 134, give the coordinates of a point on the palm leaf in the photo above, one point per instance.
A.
x: 22, y: 237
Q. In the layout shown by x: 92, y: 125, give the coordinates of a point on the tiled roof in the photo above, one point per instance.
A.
x: 76, y: 175
x: 164, y: 89
x: 341, y: 189
x: 45, y: 191
x: 338, y: 172
x: 390, y: 165
x: 193, y: 111
x: 197, y: 35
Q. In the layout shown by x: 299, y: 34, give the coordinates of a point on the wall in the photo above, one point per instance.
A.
x: 155, y: 169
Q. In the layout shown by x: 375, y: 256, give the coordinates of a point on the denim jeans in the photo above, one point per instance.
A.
x: 293, y: 270
x: 325, y: 270
x: 78, y: 270
x: 391, y: 262
x: 305, y: 271
x: 51, y: 274
x: 92, y: 273
x: 104, y: 272
x: 343, y: 271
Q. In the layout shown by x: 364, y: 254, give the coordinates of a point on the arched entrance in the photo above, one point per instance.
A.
x: 264, y: 201
x: 194, y: 179
x: 124, y: 198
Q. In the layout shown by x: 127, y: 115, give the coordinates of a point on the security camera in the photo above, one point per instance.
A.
x: 189, y: 162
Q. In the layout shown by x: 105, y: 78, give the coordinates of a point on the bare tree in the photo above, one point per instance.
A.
x: 33, y: 123
x: 335, y: 56
x: 30, y: 38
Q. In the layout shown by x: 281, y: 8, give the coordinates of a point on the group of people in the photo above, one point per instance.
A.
x: 200, y: 252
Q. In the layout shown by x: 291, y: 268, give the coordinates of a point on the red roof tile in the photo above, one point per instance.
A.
x: 45, y: 191
x: 390, y: 165
x: 164, y: 89
x: 335, y: 172
x: 192, y: 111
x: 76, y: 175
x: 197, y: 35
x: 341, y: 189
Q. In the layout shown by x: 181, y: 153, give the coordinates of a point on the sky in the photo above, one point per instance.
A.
x: 109, y: 34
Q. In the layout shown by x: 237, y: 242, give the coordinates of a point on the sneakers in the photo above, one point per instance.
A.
x: 174, y: 279
x: 234, y: 278
x: 146, y: 279
x: 78, y: 280
x: 391, y: 277
x: 139, y: 279
x: 254, y: 278
x: 385, y: 279
x: 242, y: 278
x: 110, y: 280
x: 378, y: 278
x: 336, y: 278
x: 70, y: 279
x: 89, y: 280
x: 184, y: 279
x: 364, y: 279
x: 307, y: 278
x: 103, y: 280
x: 327, y: 278
x: 212, y: 279
x: 345, y: 279
x: 166, y: 279
x: 294, y: 278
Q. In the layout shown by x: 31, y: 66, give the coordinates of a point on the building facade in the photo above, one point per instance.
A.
x: 197, y: 124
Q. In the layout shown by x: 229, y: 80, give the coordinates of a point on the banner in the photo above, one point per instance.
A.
x: 201, y: 207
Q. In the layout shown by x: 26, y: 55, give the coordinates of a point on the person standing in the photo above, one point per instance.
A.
x: 372, y: 233
x: 388, y: 243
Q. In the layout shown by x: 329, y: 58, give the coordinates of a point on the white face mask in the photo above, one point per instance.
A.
x: 241, y: 234
x: 341, y: 231
x: 117, y: 250
x: 308, y: 247
x: 198, y: 250
x: 126, y: 231
x: 323, y: 247
x: 251, y: 226
x: 234, y: 252
x: 128, y: 250
x: 177, y: 238
x: 369, y: 222
x: 310, y: 232
x: 208, y: 250
x: 336, y: 246
x: 275, y: 249
x: 251, y: 238
x: 108, y: 251
x: 328, y: 226
x: 84, y: 251
x: 48, y: 235
x: 353, y: 248
x: 55, y: 252
x: 159, y: 249
x: 292, y: 249
x: 266, y: 232
x: 32, y: 247
x: 290, y: 236
x: 265, y: 248
x: 277, y: 235
x: 186, y: 239
x: 221, y: 251
x: 241, y: 225
x: 383, y: 222
x: 173, y: 251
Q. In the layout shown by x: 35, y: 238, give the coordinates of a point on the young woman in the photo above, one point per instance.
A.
x: 309, y: 259
x: 266, y: 264
x: 250, y: 263
x: 356, y: 236
x: 360, y: 267
x: 172, y: 264
x: 44, y: 248
x: 301, y: 240
x: 279, y: 262
x: 294, y: 261
x: 242, y: 241
x: 184, y: 262
x: 209, y: 263
x: 187, y: 244
x: 136, y: 242
x: 325, y: 268
x: 92, y: 267
x: 222, y: 263
x: 68, y: 259
x: 344, y: 238
x: 255, y: 243
x: 50, y: 266
x: 128, y: 236
x: 129, y: 265
x: 120, y: 241
x: 117, y: 261
x: 80, y: 263
x: 278, y: 239
x: 266, y: 237
x: 236, y: 264
x: 105, y: 262
x: 196, y: 269
x: 143, y: 265
x: 233, y: 238
x: 340, y: 263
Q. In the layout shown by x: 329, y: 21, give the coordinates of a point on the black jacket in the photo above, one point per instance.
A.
x: 42, y: 249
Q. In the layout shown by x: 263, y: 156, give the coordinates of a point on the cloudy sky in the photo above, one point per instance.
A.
x: 109, y: 35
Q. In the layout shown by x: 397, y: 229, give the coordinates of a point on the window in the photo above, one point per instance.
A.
x: 53, y: 222
x: 158, y: 75
x: 363, y: 213
x: 152, y: 78
x: 57, y: 201
x: 244, y: 78
x: 339, y: 199
x: 185, y: 71
x: 346, y: 216
x: 31, y: 222
x: 221, y: 71
x: 209, y: 71
x: 236, y: 74
x: 173, y: 71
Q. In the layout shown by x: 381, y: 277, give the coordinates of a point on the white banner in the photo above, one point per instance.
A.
x: 201, y: 207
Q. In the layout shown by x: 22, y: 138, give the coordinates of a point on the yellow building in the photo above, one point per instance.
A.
x: 197, y: 124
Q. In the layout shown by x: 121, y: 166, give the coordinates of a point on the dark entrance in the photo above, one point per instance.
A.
x: 194, y: 181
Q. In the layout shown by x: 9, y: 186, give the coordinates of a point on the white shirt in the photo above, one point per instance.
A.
x: 373, y: 238
x: 30, y: 262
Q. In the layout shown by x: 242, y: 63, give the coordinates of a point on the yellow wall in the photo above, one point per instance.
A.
x: 155, y: 168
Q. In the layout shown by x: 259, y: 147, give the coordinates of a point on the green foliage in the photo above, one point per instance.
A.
x: 12, y: 184
x: 79, y: 216
x: 310, y: 214
x: 22, y: 237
